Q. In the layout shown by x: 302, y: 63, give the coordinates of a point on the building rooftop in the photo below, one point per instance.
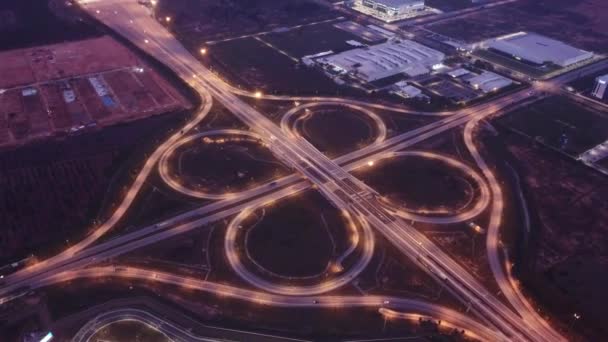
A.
x: 489, y: 81
x: 458, y: 72
x: 387, y: 59
x: 397, y: 3
x: 539, y: 49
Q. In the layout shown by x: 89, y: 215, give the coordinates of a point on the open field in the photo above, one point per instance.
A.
x: 311, y: 40
x: 227, y: 166
x: 577, y: 22
x: 67, y: 182
x: 336, y: 131
x: 63, y: 88
x: 449, y: 5
x: 197, y: 21
x: 265, y: 68
x: 25, y: 23
x: 129, y: 331
x: 569, y: 228
x: 416, y: 183
x: 296, y: 237
x: 556, y: 118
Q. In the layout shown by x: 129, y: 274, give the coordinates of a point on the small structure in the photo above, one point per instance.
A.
x: 599, y: 91
x: 458, y: 72
x: 406, y: 90
x: 489, y: 81
x: 536, y: 49
x: 389, y: 10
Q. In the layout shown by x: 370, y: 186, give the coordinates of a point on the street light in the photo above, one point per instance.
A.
x: 168, y: 19
x: 258, y: 94
x: 203, y: 51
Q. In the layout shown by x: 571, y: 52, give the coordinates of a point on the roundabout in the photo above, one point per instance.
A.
x: 325, y: 125
x: 250, y: 244
x: 192, y: 165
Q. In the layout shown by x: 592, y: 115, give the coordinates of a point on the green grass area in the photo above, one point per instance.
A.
x: 514, y: 64
x: 547, y: 120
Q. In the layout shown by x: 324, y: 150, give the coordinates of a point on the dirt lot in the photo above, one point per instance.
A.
x: 578, y: 22
x: 59, y: 88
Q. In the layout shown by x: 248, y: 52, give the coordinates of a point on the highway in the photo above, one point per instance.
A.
x: 331, y: 177
x: 335, y: 183
x: 454, y: 318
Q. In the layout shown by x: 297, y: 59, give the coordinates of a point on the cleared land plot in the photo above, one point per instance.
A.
x: 313, y: 39
x: 553, y: 117
x: 48, y: 89
x: 265, y: 68
x: 576, y: 22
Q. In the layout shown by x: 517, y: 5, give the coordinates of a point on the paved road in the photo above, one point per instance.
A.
x: 335, y: 183
x: 455, y: 318
x: 166, y: 51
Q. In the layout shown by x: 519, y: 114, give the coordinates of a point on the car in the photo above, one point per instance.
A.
x: 315, y: 301
x: 273, y: 184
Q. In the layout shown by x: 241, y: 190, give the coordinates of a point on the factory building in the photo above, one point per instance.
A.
x: 489, y: 81
x: 599, y: 91
x: 393, y: 8
x: 384, y: 60
x: 537, y: 49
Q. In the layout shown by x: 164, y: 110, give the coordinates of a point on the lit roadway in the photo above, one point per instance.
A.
x: 331, y: 177
x: 338, y: 186
x: 262, y: 298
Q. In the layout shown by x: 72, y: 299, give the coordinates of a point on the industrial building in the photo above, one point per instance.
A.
x: 537, y: 49
x: 393, y: 7
x: 389, y: 10
x: 405, y: 90
x: 489, y: 81
x: 384, y: 60
x: 599, y: 91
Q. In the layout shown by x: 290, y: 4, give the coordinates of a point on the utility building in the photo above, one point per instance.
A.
x: 599, y: 91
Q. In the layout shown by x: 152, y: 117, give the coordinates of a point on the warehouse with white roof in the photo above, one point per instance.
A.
x: 393, y: 7
x: 385, y: 60
x: 537, y: 49
x: 389, y: 10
